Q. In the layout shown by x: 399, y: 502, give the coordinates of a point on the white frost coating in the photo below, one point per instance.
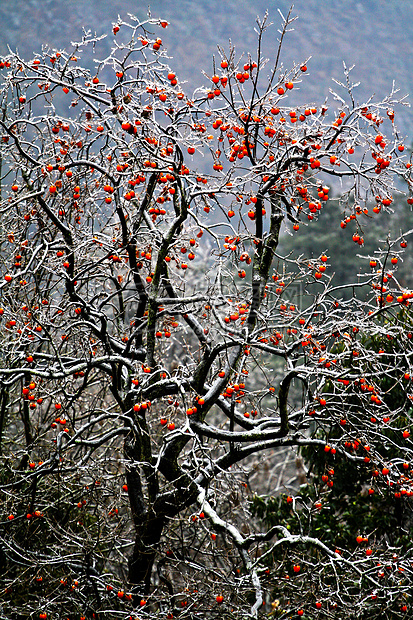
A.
x: 299, y: 538
x: 239, y: 541
x: 216, y: 386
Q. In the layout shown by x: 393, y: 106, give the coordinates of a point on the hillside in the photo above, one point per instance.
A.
x: 374, y: 35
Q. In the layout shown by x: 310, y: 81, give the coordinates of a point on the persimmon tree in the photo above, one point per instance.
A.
x: 155, y: 346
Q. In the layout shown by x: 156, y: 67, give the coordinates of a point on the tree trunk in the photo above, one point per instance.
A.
x: 148, y: 535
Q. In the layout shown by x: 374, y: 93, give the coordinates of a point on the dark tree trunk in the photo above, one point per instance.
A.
x: 148, y: 535
x: 148, y: 523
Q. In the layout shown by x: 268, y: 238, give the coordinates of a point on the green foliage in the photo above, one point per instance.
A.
x: 348, y: 503
x: 326, y: 235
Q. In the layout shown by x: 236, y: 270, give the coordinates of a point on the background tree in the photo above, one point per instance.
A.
x: 347, y: 256
x: 155, y: 343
